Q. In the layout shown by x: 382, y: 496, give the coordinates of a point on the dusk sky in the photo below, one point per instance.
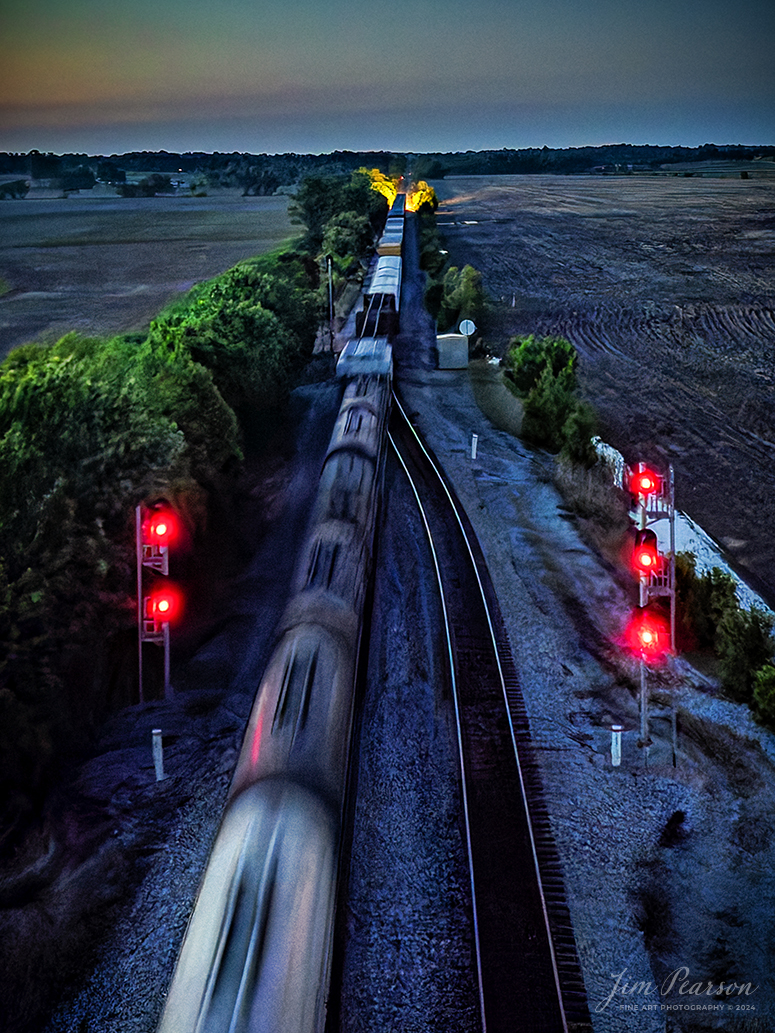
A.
x: 105, y: 76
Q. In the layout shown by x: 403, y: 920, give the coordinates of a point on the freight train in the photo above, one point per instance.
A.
x: 256, y: 954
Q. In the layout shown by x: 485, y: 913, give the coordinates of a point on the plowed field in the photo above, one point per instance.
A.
x: 666, y: 286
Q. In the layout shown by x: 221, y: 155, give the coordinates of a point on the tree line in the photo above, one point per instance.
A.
x: 263, y: 174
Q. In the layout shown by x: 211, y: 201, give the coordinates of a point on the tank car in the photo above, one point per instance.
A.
x: 357, y: 429
x: 330, y: 585
x: 256, y: 953
x: 347, y: 485
x: 300, y: 723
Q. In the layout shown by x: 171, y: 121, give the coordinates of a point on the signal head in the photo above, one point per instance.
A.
x: 164, y: 605
x: 160, y: 528
x: 648, y: 634
x: 646, y: 558
x: 645, y: 482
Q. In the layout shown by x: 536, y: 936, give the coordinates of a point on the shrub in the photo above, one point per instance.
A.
x: 744, y: 644
x: 764, y: 693
x: 579, y: 429
x: 709, y: 616
x: 701, y: 602
x: 547, y: 408
x: 543, y: 372
x: 462, y: 296
x: 527, y: 358
x: 252, y: 330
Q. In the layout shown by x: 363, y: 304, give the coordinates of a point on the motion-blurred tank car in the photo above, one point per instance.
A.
x: 256, y: 954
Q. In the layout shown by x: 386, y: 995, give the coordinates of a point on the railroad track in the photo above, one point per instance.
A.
x: 528, y: 971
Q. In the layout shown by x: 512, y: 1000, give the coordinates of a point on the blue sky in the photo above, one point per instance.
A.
x: 283, y: 75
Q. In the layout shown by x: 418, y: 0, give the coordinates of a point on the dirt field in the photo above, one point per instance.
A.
x: 667, y: 289
x: 108, y: 264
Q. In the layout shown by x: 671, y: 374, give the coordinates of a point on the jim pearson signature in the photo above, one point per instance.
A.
x: 680, y: 981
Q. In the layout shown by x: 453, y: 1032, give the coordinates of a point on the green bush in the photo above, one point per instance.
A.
x: 701, y: 602
x: 527, y: 359
x: 709, y: 616
x: 547, y: 408
x: 460, y: 295
x: 578, y: 431
x: 744, y: 644
x: 764, y: 693
x: 542, y: 371
x: 252, y: 330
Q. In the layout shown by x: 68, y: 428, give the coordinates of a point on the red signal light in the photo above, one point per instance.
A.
x: 648, y: 634
x: 163, y: 605
x: 645, y: 556
x: 160, y: 528
x: 645, y: 482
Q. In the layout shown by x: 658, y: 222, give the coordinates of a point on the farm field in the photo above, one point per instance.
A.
x: 102, y: 265
x: 666, y: 286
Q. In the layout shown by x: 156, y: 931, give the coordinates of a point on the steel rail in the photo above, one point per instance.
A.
x: 496, y: 651
x: 451, y: 659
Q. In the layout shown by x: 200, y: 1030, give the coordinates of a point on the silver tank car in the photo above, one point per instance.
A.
x: 330, y: 584
x: 346, y: 489
x: 256, y: 954
x: 358, y: 429
x: 300, y: 723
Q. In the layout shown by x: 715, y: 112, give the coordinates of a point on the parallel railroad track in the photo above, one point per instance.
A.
x: 528, y: 969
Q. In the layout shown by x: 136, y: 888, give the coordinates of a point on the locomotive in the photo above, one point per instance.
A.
x: 256, y: 954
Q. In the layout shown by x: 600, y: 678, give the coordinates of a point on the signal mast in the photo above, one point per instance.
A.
x: 155, y: 529
x: 649, y: 633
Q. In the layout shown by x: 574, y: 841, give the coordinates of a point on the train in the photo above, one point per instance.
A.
x: 256, y: 953
x: 380, y: 314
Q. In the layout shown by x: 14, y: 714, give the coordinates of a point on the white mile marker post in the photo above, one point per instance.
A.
x: 616, y: 745
x: 158, y: 754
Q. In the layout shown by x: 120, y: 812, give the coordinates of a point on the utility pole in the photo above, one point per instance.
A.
x: 330, y: 264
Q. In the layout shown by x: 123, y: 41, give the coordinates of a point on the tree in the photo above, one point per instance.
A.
x: 547, y: 408
x: 347, y: 236
x: 579, y: 429
x: 320, y: 198
x: 702, y: 601
x: 764, y: 692
x: 462, y: 297
x: 527, y: 358
x: 744, y: 644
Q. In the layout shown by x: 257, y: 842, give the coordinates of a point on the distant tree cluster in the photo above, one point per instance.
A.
x: 262, y: 174
x: 576, y: 160
x: 148, y: 186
